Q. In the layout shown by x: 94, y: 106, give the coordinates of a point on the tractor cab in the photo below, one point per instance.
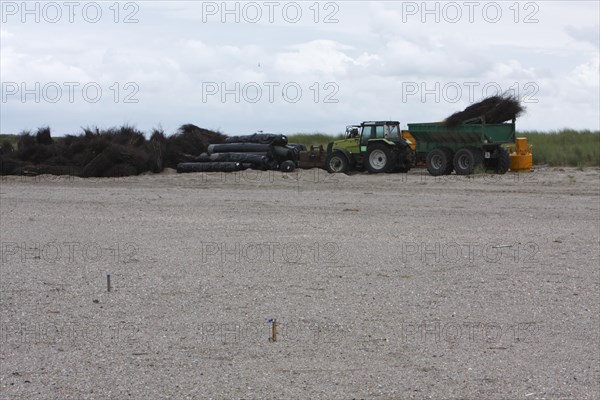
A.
x: 383, y: 130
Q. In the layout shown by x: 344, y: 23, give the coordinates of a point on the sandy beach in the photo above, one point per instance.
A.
x: 391, y: 286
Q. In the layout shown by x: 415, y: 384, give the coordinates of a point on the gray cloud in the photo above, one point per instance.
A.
x: 589, y: 34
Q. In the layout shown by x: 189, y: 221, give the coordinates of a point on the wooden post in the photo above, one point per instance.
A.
x: 274, y: 331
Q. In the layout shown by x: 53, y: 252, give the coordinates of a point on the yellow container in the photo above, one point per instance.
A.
x: 521, y: 158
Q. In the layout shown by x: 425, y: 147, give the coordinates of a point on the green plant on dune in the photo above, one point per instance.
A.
x: 566, y: 147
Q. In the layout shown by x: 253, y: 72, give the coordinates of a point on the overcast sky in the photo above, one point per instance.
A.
x: 291, y: 67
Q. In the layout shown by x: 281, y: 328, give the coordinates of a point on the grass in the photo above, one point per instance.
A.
x: 313, y: 138
x: 13, y: 139
x: 566, y: 147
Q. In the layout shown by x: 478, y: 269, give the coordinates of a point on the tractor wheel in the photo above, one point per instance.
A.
x: 466, y: 160
x: 406, y: 160
x: 380, y: 158
x: 449, y: 157
x: 439, y: 161
x: 337, y: 163
x: 500, y: 163
x: 503, y: 161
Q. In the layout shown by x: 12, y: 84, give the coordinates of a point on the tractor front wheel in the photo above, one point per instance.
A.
x: 337, y: 163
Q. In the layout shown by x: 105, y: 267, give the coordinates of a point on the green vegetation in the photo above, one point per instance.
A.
x: 566, y: 147
x: 316, y: 139
x: 12, y: 139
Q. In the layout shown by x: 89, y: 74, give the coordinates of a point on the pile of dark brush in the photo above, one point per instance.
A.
x: 104, y: 153
x: 262, y: 151
x: 492, y: 110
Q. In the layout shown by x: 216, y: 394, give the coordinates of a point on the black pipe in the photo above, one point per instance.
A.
x: 209, y: 167
x: 238, y: 148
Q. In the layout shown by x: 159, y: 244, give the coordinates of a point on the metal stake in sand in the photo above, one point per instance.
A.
x: 108, y: 288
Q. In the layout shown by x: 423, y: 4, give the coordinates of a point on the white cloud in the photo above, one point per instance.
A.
x: 320, y: 56
x: 587, y: 74
x: 4, y: 34
x: 590, y: 34
x: 512, y: 69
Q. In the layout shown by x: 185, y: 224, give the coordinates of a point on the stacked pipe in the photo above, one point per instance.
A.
x: 257, y: 151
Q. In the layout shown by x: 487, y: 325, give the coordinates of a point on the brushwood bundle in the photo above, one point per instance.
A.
x: 113, y: 152
x: 491, y: 110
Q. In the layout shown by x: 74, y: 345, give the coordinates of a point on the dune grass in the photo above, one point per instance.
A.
x: 313, y: 138
x: 12, y: 139
x: 566, y: 147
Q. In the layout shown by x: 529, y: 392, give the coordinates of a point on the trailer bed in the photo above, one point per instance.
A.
x: 435, y: 134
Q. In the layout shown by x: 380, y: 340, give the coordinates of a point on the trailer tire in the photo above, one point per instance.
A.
x: 500, y: 163
x: 450, y: 157
x: 337, y: 163
x: 439, y: 161
x: 380, y: 158
x: 466, y: 160
x: 478, y: 153
x: 503, y: 161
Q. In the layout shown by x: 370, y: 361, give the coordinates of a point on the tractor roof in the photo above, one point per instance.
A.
x: 380, y: 123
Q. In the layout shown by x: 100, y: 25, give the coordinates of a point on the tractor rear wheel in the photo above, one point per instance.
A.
x: 380, y: 158
x: 337, y: 162
x: 439, y: 161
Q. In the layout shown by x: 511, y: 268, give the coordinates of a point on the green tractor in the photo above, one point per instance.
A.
x: 377, y: 146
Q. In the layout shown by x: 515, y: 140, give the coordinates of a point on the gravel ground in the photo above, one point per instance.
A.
x: 383, y: 286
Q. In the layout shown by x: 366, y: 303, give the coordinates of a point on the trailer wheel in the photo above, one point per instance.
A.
x: 337, y: 163
x: 500, y: 163
x: 380, y: 158
x: 466, y: 160
x: 449, y: 157
x: 503, y: 161
x: 439, y: 161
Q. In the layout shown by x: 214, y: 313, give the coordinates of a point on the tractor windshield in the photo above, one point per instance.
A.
x: 392, y: 132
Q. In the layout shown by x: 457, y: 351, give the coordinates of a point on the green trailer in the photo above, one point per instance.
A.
x: 463, y: 148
